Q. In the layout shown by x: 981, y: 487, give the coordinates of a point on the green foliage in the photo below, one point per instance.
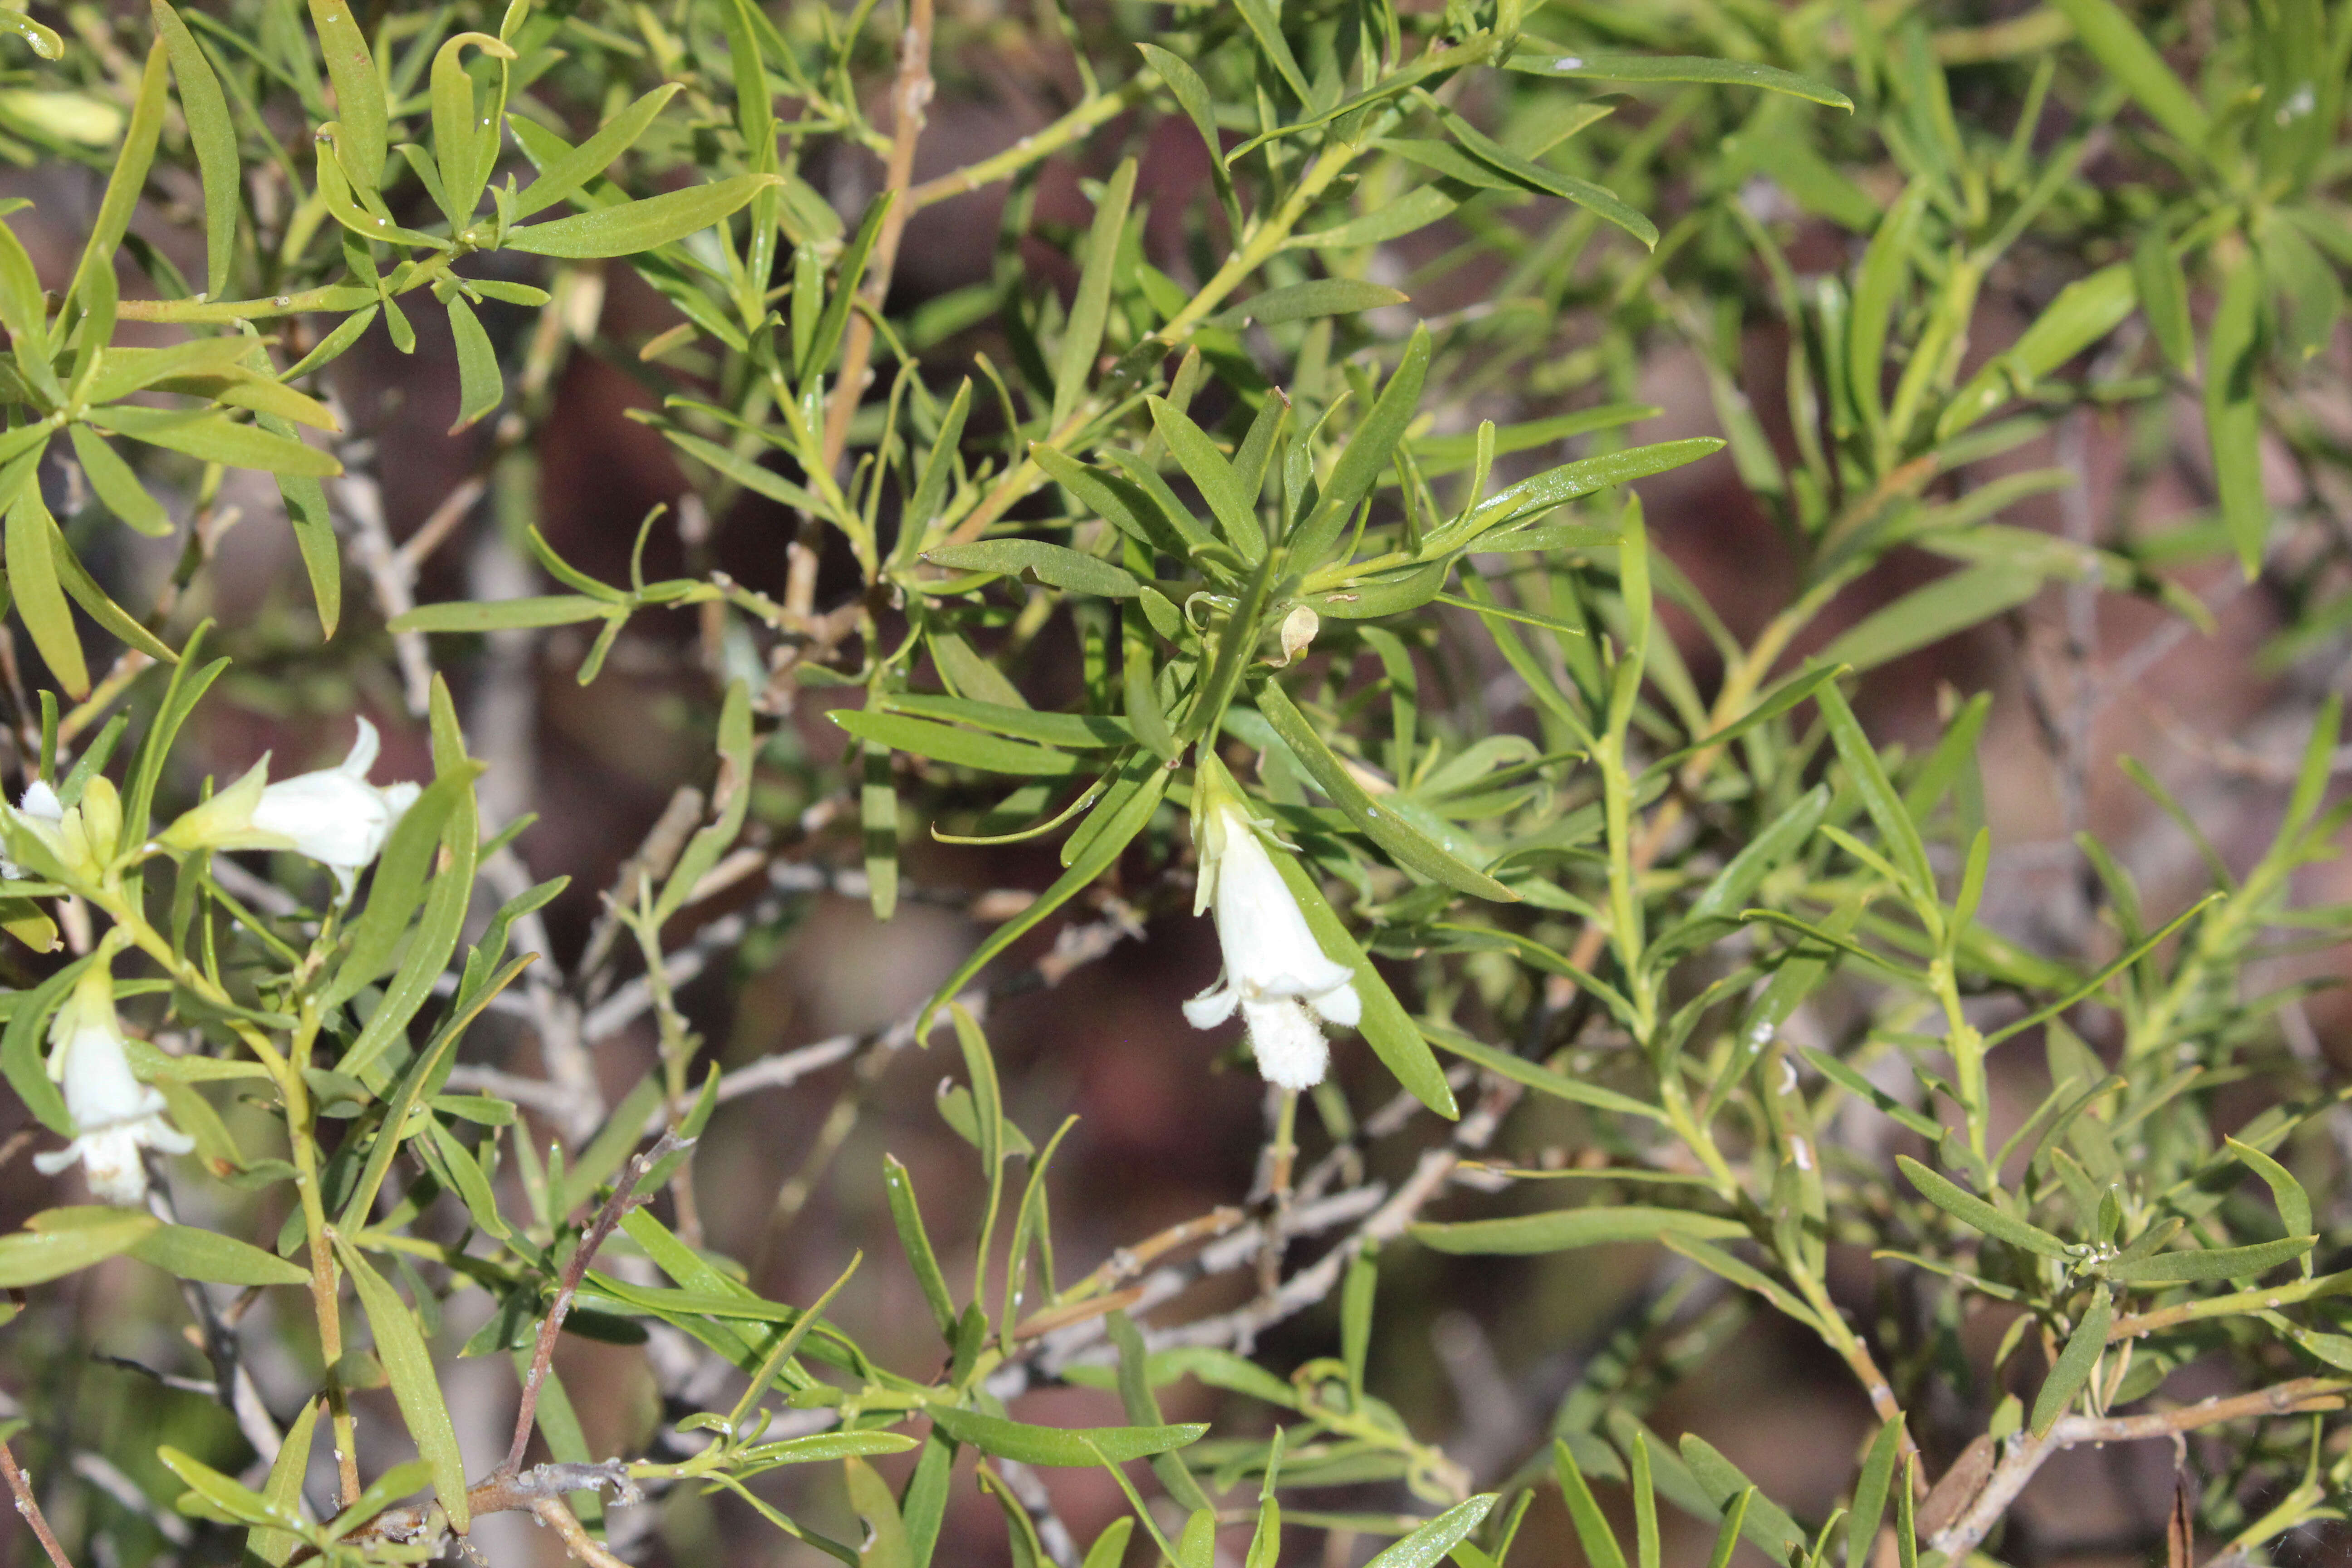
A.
x: 1364, y: 596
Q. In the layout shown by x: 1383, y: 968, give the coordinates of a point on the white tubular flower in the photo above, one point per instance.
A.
x: 333, y: 815
x: 1276, y: 972
x: 114, y: 1115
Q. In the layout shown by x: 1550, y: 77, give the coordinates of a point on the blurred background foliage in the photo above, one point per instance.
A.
x: 1783, y: 574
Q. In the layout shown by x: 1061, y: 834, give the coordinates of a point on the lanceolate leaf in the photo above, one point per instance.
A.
x: 211, y: 134
x: 216, y: 438
x: 1681, y: 68
x: 1381, y: 824
x: 562, y: 176
x: 2233, y: 415
x: 1977, y: 1214
x: 1056, y: 1446
x: 359, y: 90
x: 414, y: 1383
x: 639, y: 226
x: 71, y: 1241
x: 1562, y: 1230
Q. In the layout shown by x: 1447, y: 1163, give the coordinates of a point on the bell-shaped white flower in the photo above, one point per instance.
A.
x: 114, y: 1115
x: 1276, y: 972
x: 333, y: 815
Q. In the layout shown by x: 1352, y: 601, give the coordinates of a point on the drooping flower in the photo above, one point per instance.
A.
x: 333, y: 815
x: 1276, y: 972
x: 114, y: 1115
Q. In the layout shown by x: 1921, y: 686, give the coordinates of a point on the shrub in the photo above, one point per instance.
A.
x: 1260, y: 525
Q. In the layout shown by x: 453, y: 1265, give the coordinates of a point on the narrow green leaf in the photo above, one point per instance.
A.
x: 2293, y: 1202
x: 1870, y: 1494
x: 1082, y: 338
x: 465, y: 141
x: 224, y: 1498
x: 1056, y: 565
x: 1366, y: 457
x: 1429, y: 1546
x: 1310, y: 300
x: 1766, y: 1526
x: 1977, y: 1214
x: 1386, y: 1026
x: 416, y: 1387
x: 569, y: 171
x: 117, y: 487
x: 1592, y: 1528
x: 503, y: 614
x: 2163, y: 292
x: 397, y: 886
x: 960, y: 748
x: 1944, y: 607
x: 1124, y: 505
x: 1542, y: 1080
x: 1898, y: 833
x: 2083, y: 312
x: 1601, y: 203
x: 67, y: 1241
x: 212, y: 135
x: 1680, y: 69
x: 1885, y: 266
x: 1561, y: 1230
x: 635, y: 227
x: 2121, y: 47
x: 33, y: 580
x: 1530, y: 498
x: 2207, y: 1264
x: 480, y: 389
x: 2074, y: 1363
x: 360, y: 106
x: 1230, y: 501
x: 899, y: 1188
x: 1383, y: 824
x: 1066, y: 1447
x: 215, y: 438
x: 93, y: 279
x: 314, y: 532
x: 283, y: 1490
x: 186, y: 1252
x: 848, y: 273
x: 2233, y: 420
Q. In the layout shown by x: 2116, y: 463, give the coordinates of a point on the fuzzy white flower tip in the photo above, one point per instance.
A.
x: 39, y: 800
x: 1289, y: 1045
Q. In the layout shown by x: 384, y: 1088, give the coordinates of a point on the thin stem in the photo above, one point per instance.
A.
x: 908, y: 99
x: 608, y: 1219
x: 30, y: 1507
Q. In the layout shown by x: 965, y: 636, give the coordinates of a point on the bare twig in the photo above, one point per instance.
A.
x: 2026, y: 1453
x: 30, y: 1507
x: 576, y: 1539
x: 608, y: 1218
x: 908, y: 99
x: 505, y: 1492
